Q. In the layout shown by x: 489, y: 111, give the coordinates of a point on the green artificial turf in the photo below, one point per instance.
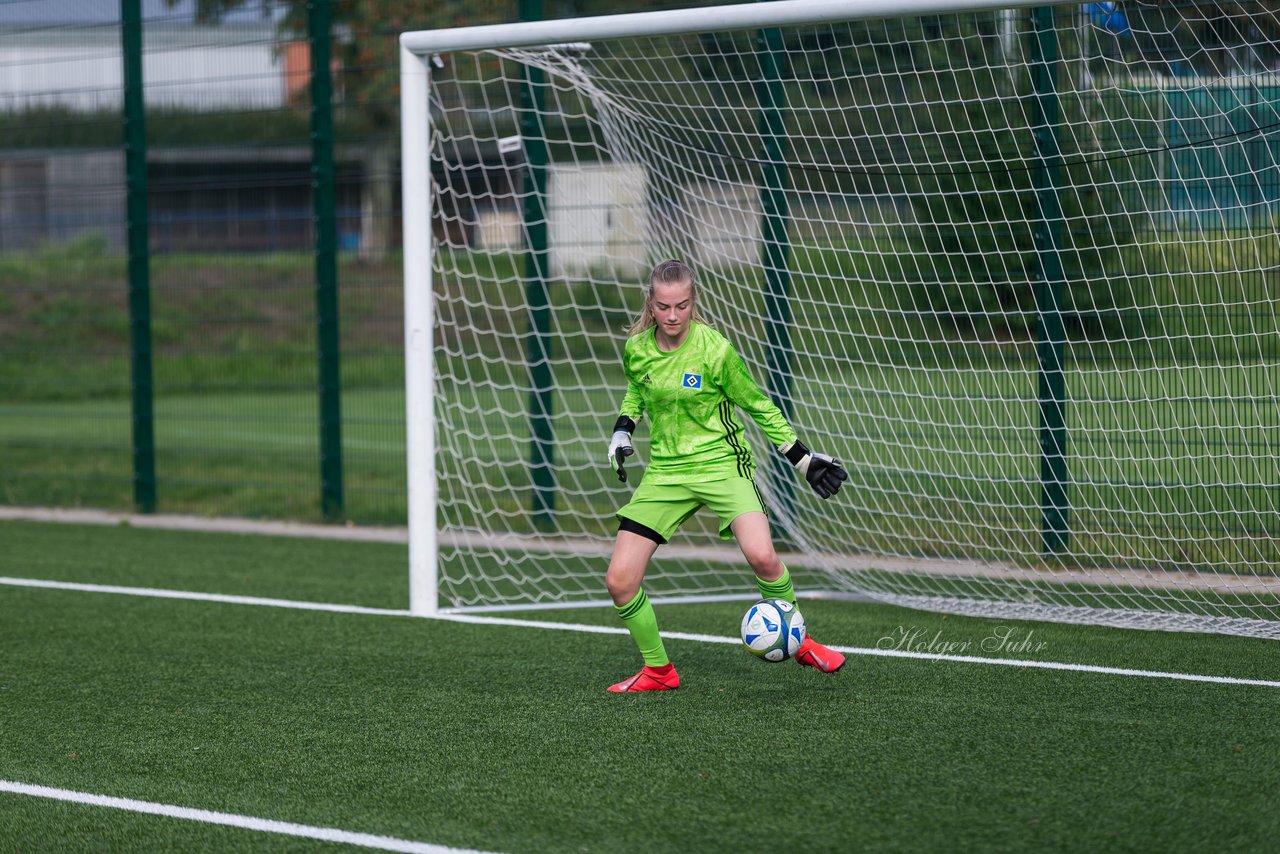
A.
x: 502, y: 737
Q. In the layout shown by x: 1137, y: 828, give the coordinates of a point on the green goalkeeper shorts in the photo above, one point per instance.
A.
x: 664, y: 507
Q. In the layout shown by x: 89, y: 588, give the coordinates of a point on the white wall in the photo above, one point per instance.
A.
x: 193, y: 67
x: 597, y: 217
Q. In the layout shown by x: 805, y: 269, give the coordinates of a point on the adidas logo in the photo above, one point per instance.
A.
x: 646, y: 380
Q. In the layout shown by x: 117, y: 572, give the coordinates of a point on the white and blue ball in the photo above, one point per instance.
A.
x: 773, y: 629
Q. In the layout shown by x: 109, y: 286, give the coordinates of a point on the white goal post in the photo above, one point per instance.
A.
x: 1011, y: 262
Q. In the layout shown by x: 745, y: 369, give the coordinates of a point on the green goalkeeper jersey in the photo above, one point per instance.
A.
x: 690, y: 394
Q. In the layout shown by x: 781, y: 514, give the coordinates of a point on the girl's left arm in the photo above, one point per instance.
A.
x: 743, y: 392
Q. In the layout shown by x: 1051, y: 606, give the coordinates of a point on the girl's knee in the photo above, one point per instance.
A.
x: 622, y: 585
x: 766, y: 565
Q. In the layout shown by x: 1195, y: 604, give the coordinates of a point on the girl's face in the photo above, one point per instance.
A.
x: 672, y: 308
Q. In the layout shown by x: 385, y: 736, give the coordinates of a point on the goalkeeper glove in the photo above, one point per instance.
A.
x: 620, y: 446
x: 823, y: 473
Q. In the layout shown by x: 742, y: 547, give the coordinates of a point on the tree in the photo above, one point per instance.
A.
x: 367, y: 32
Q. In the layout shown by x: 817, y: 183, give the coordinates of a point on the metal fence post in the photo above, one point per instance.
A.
x: 776, y: 253
x: 324, y: 219
x: 1051, y: 335
x: 537, y: 273
x: 138, y: 227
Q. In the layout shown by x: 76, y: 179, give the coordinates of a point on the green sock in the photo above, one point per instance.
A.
x: 780, y: 589
x: 640, y: 620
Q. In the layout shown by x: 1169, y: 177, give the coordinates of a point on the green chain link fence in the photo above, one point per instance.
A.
x: 265, y: 376
x: 268, y: 380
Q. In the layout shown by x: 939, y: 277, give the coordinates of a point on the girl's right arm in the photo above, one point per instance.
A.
x: 632, y: 409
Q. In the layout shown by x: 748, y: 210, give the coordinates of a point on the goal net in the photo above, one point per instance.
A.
x: 1015, y: 268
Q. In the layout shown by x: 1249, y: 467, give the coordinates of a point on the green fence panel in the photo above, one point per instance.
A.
x: 229, y: 174
x: 231, y: 227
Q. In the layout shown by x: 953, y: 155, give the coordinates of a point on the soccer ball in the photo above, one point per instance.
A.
x: 773, y: 629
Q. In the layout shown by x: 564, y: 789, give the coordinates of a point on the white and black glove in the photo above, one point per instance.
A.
x: 620, y: 445
x: 823, y: 473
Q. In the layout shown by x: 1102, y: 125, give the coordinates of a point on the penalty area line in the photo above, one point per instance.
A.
x: 244, y: 822
x: 484, y: 619
x: 888, y: 653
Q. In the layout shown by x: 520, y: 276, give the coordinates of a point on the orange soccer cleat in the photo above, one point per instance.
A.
x: 814, y: 654
x: 649, y: 678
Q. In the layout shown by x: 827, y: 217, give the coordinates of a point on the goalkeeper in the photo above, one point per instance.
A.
x: 689, y: 379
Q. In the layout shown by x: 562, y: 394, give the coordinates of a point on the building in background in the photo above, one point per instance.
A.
x: 60, y: 63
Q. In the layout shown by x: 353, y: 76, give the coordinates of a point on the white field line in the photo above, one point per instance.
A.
x: 619, y: 630
x: 159, y: 593
x: 884, y: 653
x: 245, y: 822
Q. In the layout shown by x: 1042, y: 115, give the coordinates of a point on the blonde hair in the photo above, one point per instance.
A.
x: 666, y: 272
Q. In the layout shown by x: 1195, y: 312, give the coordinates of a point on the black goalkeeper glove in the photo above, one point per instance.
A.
x: 824, y: 473
x: 620, y: 446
